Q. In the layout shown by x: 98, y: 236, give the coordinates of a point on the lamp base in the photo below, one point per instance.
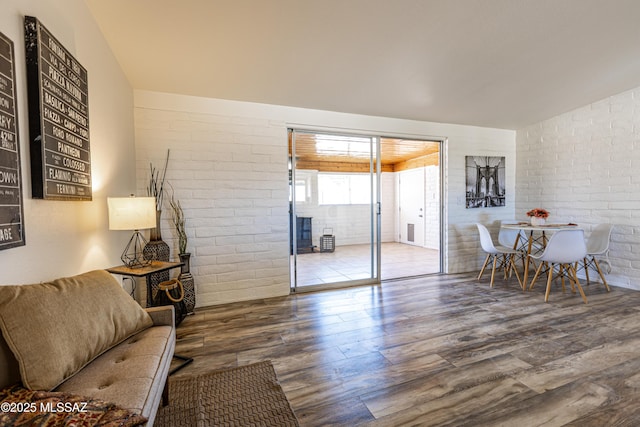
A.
x: 133, y: 256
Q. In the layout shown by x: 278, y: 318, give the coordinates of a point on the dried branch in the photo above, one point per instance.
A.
x: 178, y: 222
x: 156, y: 185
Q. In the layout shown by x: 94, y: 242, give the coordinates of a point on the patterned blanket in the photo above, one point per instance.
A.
x: 23, y: 407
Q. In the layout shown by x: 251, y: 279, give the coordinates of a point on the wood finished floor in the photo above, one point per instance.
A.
x: 442, y: 350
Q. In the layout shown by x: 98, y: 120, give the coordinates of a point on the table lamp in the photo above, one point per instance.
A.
x: 132, y: 213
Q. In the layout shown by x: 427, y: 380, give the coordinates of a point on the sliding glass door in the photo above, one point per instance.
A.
x: 334, y: 209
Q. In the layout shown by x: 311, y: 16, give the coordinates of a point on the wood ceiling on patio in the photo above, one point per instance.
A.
x: 343, y: 153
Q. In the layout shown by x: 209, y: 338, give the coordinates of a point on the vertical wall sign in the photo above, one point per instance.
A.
x: 11, y: 212
x: 58, y: 118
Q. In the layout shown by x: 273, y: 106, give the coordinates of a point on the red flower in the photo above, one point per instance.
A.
x: 538, y: 213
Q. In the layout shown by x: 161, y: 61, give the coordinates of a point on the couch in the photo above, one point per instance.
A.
x: 85, y: 336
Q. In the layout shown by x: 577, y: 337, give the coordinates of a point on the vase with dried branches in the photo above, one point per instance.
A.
x: 155, y: 189
x: 157, y: 249
x: 185, y: 277
x: 178, y: 222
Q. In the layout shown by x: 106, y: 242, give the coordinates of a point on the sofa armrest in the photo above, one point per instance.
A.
x: 162, y: 316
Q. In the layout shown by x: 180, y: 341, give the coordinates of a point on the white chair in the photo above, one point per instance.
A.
x: 564, y: 249
x: 598, y: 246
x: 506, y: 255
x: 511, y: 238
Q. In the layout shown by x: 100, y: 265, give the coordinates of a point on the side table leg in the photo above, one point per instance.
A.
x: 186, y: 361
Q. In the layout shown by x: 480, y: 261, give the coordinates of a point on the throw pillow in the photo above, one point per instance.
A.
x: 54, y: 329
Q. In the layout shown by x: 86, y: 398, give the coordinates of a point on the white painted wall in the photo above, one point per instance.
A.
x: 582, y: 167
x: 432, y: 207
x: 66, y: 238
x: 389, y: 207
x: 351, y: 224
x: 229, y: 169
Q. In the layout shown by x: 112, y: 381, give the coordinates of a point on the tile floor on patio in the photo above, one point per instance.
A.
x: 353, y: 262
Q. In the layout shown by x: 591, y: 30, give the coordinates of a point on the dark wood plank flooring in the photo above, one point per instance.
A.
x: 442, y: 350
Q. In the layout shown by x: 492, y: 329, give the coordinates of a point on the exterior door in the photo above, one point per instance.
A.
x: 412, y: 207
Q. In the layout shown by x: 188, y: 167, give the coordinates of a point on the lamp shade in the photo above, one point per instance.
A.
x: 131, y: 213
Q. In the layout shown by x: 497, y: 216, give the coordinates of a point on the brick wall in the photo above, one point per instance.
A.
x: 582, y: 166
x: 230, y: 175
x: 461, y: 240
x: 229, y: 169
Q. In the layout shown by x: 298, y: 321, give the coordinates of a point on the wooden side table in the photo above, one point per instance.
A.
x: 146, y: 271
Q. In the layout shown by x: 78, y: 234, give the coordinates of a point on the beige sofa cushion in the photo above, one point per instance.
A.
x: 131, y: 375
x: 54, y: 329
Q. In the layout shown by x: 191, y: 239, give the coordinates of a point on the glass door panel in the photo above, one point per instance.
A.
x: 334, y: 209
x: 411, y: 197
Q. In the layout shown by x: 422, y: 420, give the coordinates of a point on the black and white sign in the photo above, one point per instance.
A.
x: 486, y: 181
x: 11, y: 212
x: 58, y: 118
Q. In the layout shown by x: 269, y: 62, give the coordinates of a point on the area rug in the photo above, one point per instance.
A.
x: 245, y: 396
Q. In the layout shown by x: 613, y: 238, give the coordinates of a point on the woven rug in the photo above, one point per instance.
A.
x: 245, y: 396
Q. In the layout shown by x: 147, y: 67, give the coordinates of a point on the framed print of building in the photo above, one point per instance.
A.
x: 485, y: 181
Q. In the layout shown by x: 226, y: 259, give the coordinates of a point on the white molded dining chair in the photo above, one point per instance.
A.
x: 564, y: 249
x: 512, y: 238
x: 598, y: 246
x: 499, y: 254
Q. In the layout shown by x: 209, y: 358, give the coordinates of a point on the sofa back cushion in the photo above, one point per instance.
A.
x: 54, y: 329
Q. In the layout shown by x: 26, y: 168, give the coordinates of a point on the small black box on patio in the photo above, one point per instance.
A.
x: 327, y: 241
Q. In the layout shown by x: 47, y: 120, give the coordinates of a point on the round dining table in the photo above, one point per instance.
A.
x: 535, y: 234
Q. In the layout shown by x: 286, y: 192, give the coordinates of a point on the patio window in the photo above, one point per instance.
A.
x: 344, y: 189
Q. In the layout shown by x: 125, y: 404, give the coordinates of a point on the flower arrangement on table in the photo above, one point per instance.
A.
x: 538, y: 216
x: 538, y: 213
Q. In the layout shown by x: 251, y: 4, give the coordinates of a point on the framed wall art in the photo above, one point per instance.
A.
x: 485, y: 181
x: 58, y: 118
x: 11, y: 205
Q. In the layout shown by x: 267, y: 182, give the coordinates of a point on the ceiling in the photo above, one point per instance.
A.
x: 347, y: 153
x: 492, y: 63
